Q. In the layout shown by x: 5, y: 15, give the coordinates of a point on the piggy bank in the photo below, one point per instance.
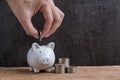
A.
x: 41, y: 57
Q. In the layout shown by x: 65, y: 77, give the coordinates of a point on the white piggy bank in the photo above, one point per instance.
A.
x: 41, y: 57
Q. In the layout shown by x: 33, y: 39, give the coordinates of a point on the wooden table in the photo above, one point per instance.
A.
x: 83, y: 73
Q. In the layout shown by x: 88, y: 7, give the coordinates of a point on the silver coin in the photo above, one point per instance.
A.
x: 40, y: 36
x: 60, y: 68
x: 65, y: 61
x: 71, y: 69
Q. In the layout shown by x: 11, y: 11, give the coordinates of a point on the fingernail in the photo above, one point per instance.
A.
x: 36, y: 37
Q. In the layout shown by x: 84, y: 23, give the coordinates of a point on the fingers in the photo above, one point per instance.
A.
x: 53, y: 19
x: 56, y: 22
x: 61, y: 13
x: 58, y: 18
x: 48, y: 16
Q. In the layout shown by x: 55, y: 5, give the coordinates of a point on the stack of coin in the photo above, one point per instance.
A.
x: 59, y: 68
x: 64, y: 61
x: 71, y: 69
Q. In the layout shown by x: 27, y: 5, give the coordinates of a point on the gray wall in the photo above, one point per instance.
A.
x: 89, y: 35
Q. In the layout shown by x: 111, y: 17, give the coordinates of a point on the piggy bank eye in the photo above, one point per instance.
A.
x: 40, y: 51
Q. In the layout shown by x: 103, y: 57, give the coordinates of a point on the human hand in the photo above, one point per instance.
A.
x: 24, y: 10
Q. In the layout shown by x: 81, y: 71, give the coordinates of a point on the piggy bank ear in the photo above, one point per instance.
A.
x: 51, y: 45
x: 35, y: 46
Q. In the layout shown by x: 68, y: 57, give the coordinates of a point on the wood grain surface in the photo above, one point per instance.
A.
x: 89, y: 34
x: 83, y: 73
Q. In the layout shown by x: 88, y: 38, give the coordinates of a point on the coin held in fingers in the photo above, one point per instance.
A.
x: 40, y: 37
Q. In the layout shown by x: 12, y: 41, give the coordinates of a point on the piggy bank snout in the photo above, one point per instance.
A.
x: 45, y: 60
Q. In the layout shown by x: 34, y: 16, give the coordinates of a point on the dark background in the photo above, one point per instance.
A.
x: 89, y: 34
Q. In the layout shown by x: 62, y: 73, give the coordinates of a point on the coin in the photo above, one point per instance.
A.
x: 40, y: 36
x: 71, y: 69
x: 64, y: 61
x: 59, y: 68
x: 40, y: 33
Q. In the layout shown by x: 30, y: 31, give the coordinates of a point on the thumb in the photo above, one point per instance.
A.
x: 29, y: 28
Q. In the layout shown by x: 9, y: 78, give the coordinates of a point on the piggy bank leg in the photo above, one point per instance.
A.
x: 31, y: 69
x: 36, y: 70
x: 50, y: 69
